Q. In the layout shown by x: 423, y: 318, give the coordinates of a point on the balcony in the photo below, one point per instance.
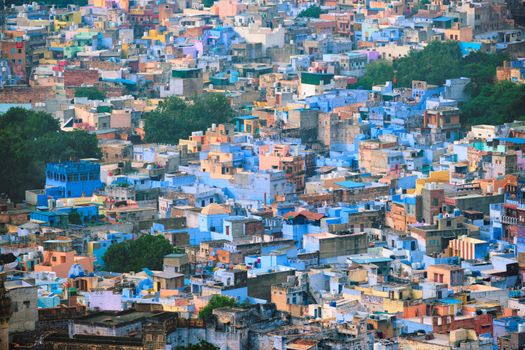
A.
x: 509, y: 220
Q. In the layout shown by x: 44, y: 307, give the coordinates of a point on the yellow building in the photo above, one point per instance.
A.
x: 440, y: 176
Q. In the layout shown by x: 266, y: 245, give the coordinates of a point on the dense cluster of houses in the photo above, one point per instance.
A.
x: 337, y: 218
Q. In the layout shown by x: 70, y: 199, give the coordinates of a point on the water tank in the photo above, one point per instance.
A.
x: 490, y: 188
x: 70, y: 202
x: 521, y: 328
x: 501, y: 190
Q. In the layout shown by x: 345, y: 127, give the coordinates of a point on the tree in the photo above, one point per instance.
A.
x: 74, y: 217
x: 91, y: 92
x: 202, y: 345
x: 423, y: 4
x: 216, y: 301
x: 311, y: 12
x: 480, y: 67
x: 436, y: 63
x: 496, y: 104
x: 175, y: 119
x: 28, y: 141
x: 147, y: 251
x: 376, y: 73
x: 208, y: 3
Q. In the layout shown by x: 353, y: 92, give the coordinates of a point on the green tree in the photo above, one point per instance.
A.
x: 74, y: 217
x: 495, y: 104
x: 423, y: 4
x: 376, y: 73
x: 202, y: 345
x: 28, y: 141
x: 311, y: 12
x: 480, y: 67
x: 175, y: 119
x: 208, y: 3
x: 216, y: 301
x: 436, y: 63
x: 91, y: 92
x: 146, y: 251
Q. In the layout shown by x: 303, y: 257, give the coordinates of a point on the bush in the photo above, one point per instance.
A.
x: 92, y: 93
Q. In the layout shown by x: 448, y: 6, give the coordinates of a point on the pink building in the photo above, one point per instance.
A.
x: 280, y: 157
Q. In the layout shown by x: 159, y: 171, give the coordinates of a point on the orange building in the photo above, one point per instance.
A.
x: 59, y: 257
x: 14, y: 50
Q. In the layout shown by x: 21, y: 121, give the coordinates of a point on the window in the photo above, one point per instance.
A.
x: 227, y: 230
x: 435, y: 202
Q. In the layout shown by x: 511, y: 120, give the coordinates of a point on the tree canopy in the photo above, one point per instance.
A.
x: 216, y: 301
x: 311, y: 12
x: 377, y: 72
x: 175, y: 119
x: 91, y: 92
x: 496, y: 104
x: 437, y: 62
x: 146, y: 251
x: 202, y: 345
x: 208, y: 3
x: 490, y: 104
x: 29, y: 140
x: 434, y: 64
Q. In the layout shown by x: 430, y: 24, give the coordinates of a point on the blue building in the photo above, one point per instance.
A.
x: 297, y: 225
x: 50, y: 218
x: 72, y: 179
x: 61, y: 217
